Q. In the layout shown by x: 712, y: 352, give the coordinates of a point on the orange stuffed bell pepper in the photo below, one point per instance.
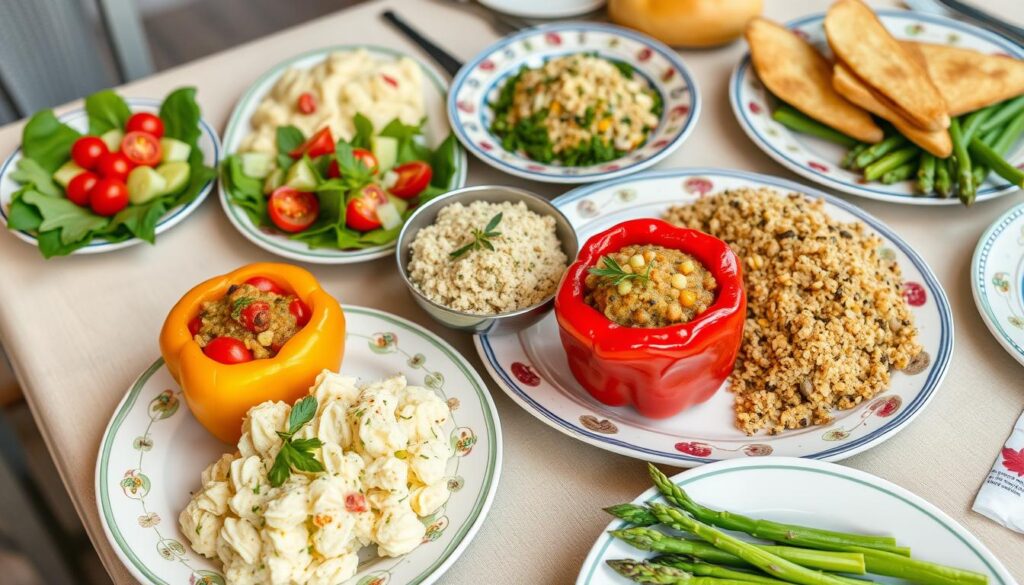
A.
x: 220, y: 394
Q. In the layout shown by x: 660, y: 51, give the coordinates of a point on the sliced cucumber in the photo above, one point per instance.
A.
x: 174, y: 150
x: 176, y: 174
x: 389, y: 216
x: 112, y: 138
x: 66, y: 172
x: 274, y: 180
x: 301, y: 176
x: 400, y: 204
x: 256, y: 164
x: 385, y: 148
x: 144, y: 184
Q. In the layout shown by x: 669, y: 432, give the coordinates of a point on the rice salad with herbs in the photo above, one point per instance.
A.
x: 487, y: 258
x: 576, y: 110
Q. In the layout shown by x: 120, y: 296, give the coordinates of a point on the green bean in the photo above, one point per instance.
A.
x: 795, y: 120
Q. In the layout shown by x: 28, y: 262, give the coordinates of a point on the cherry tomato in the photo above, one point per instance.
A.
x: 108, y: 196
x: 356, y: 502
x: 318, y: 144
x: 300, y: 311
x: 195, y: 325
x: 307, y: 103
x: 145, y: 122
x: 87, y: 150
x: 114, y: 165
x: 362, y: 155
x: 361, y: 212
x: 292, y: 210
x: 264, y: 284
x: 80, y: 187
x: 412, y: 178
x: 255, y: 317
x: 227, y: 350
x: 141, y: 148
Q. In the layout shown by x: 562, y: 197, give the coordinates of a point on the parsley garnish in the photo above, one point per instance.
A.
x: 616, y: 274
x: 239, y: 304
x: 481, y: 238
x: 296, y: 453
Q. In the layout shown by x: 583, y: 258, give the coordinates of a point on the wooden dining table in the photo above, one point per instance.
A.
x: 79, y: 329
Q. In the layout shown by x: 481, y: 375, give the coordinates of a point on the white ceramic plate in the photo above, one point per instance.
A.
x: 153, y: 452
x: 544, y: 8
x: 532, y: 369
x: 818, y: 160
x: 997, y: 279
x: 813, y: 493
x: 77, y: 119
x: 480, y: 81
x: 436, y: 129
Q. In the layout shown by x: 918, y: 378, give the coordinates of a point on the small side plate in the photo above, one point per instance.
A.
x: 997, y: 280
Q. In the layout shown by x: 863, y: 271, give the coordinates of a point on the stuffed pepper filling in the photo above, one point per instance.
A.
x: 649, y: 286
x: 260, y: 320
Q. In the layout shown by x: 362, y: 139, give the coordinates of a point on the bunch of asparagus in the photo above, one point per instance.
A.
x: 980, y: 141
x: 802, y: 555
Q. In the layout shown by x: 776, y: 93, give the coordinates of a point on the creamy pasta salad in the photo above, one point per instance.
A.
x: 331, y: 93
x: 383, y: 454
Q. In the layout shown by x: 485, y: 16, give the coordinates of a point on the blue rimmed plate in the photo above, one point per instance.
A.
x: 153, y: 451
x: 817, y: 494
x: 532, y: 369
x: 209, y: 144
x: 435, y: 130
x: 818, y: 160
x: 997, y: 279
x: 479, y: 82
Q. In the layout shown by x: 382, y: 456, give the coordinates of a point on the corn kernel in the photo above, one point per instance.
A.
x: 688, y: 298
x: 687, y: 267
x: 556, y: 108
x: 675, y: 312
x: 625, y: 288
x: 678, y: 281
x: 604, y: 125
x: 648, y: 255
x: 637, y: 261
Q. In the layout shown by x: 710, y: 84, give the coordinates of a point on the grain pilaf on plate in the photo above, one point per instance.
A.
x: 826, y: 321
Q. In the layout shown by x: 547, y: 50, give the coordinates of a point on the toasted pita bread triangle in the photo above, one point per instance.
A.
x: 969, y: 80
x: 860, y: 40
x: 797, y: 74
x: 849, y: 86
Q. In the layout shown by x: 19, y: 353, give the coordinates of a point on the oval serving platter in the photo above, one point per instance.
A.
x: 531, y: 367
x: 480, y: 81
x: 435, y: 130
x: 153, y: 451
x: 844, y: 499
x: 209, y: 144
x: 818, y: 160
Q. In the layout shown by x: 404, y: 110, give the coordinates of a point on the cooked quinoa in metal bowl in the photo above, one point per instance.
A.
x: 826, y: 320
x: 577, y: 110
x: 487, y: 258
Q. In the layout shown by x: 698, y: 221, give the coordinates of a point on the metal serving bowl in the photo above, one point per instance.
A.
x: 512, y: 321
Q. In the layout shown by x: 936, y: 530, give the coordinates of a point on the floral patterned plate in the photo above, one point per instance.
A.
x: 153, y: 452
x: 997, y: 278
x: 817, y: 159
x: 435, y: 130
x: 532, y: 369
x: 479, y: 82
x: 843, y: 499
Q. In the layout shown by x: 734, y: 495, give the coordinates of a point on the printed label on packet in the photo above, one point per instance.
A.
x: 1001, y: 497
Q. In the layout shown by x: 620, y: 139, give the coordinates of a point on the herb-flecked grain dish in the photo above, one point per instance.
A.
x: 576, y: 110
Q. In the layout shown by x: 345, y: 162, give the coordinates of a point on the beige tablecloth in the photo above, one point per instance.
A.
x: 78, y: 330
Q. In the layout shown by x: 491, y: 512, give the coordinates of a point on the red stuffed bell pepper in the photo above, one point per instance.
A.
x: 659, y: 370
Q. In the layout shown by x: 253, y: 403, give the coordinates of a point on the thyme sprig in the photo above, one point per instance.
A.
x: 615, y: 273
x: 481, y: 238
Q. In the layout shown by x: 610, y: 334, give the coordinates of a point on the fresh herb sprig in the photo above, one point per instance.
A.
x: 296, y: 453
x: 481, y: 238
x: 614, y: 272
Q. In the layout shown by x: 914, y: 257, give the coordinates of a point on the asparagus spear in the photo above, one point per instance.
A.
x: 792, y: 118
x: 877, y: 151
x: 923, y: 572
x: 875, y: 170
x: 652, y: 540
x: 635, y: 515
x: 926, y: 173
x: 900, y: 173
x: 972, y: 122
x: 709, y: 570
x: 645, y: 572
x: 991, y: 158
x: 774, y: 565
x: 1000, y: 139
x: 787, y: 533
x: 849, y: 159
x: 1005, y: 111
x: 964, y: 175
x: 943, y: 182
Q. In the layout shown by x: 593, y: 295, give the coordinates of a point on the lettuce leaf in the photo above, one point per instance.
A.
x: 106, y: 111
